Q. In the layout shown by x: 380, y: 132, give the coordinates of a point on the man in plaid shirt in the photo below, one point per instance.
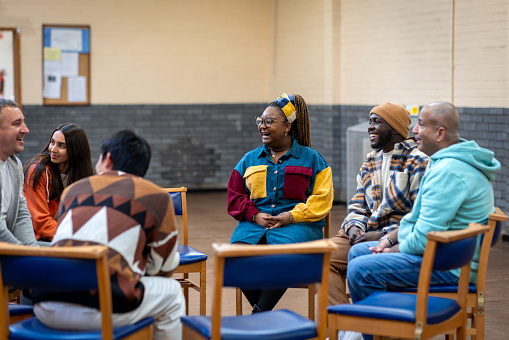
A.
x: 387, y: 185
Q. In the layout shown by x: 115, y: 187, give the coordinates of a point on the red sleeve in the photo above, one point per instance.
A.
x: 240, y: 207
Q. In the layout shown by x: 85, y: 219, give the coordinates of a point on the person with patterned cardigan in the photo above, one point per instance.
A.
x: 387, y: 185
x: 135, y: 219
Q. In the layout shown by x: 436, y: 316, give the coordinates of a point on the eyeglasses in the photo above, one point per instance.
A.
x: 267, y: 121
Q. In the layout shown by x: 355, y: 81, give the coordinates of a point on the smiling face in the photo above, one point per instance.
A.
x: 12, y: 131
x: 58, y: 151
x: 274, y: 136
x: 426, y: 132
x: 381, y: 134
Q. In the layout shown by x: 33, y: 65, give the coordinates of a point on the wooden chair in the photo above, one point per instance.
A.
x: 311, y: 288
x: 476, y: 297
x: 191, y: 259
x: 393, y: 314
x: 19, y: 313
x: 61, y: 269
x: 265, y: 266
x: 476, y: 292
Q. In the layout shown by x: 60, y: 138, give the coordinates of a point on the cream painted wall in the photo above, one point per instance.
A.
x: 229, y: 51
x: 303, y: 49
x: 481, y: 53
x: 156, y: 51
x: 395, y: 51
x: 402, y: 51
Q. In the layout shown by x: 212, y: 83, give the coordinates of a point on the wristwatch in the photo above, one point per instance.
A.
x: 386, y: 238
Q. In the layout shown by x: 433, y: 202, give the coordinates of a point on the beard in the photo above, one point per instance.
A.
x: 382, y: 139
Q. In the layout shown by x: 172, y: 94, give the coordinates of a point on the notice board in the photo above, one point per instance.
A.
x: 66, y: 65
x: 10, y: 79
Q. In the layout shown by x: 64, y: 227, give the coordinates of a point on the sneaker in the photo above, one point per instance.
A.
x: 349, y: 335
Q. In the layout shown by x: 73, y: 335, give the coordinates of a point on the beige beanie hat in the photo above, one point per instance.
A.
x: 395, y: 115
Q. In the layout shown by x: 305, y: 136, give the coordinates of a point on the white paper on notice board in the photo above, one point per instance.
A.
x: 67, y: 39
x: 69, y: 64
x: 52, y: 85
x: 77, y: 89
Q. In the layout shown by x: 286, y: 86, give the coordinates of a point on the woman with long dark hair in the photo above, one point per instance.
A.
x: 65, y: 160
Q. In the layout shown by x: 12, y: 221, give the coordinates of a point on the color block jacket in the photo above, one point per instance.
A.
x: 300, y: 182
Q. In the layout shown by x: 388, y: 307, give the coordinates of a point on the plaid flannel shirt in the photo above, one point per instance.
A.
x: 367, y: 209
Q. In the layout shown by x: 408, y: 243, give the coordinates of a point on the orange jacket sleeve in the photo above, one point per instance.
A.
x: 42, y: 209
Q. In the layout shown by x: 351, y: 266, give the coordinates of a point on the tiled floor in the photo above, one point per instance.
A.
x: 209, y: 222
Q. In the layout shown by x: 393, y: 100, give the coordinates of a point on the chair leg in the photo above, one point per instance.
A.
x: 238, y: 299
x: 333, y: 330
x: 311, y: 302
x: 203, y: 289
x: 186, y: 293
x: 479, y: 326
x: 462, y: 333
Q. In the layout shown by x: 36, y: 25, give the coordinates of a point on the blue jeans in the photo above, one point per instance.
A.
x: 368, y: 273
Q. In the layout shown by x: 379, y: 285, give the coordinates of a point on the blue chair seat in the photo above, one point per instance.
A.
x: 190, y: 255
x: 34, y: 329
x: 398, y: 307
x: 277, y: 325
x: 20, y: 309
x: 472, y: 288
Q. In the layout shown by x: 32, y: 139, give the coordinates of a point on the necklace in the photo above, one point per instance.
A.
x: 275, y: 154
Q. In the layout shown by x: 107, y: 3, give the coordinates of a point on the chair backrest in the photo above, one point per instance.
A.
x: 59, y: 269
x: 447, y: 250
x: 488, y: 240
x: 286, y: 270
x: 179, y: 198
x: 273, y: 271
x: 495, y: 221
x: 463, y: 251
x: 271, y: 266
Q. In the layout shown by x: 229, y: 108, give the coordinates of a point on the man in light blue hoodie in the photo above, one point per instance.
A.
x: 455, y: 191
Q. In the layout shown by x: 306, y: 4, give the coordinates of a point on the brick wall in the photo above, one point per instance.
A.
x: 488, y: 127
x: 198, y: 145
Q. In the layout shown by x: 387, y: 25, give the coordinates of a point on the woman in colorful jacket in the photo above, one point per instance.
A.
x: 281, y: 191
x: 65, y: 160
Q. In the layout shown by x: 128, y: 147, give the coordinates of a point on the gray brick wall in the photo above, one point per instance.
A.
x: 198, y: 145
x: 488, y: 127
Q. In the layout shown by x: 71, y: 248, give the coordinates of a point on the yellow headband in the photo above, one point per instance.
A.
x: 287, y: 104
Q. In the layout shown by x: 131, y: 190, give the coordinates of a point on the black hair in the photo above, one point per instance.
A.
x: 80, y: 161
x: 128, y: 151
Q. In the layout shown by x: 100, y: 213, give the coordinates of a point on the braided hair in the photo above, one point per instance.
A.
x: 300, y: 127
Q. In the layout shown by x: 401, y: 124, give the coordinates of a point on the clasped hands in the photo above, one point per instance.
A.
x: 270, y: 222
x: 357, y: 235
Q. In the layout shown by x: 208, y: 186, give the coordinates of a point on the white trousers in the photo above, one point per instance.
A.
x: 163, y: 300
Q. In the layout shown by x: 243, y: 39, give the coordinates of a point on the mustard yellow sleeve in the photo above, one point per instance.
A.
x: 319, y: 203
